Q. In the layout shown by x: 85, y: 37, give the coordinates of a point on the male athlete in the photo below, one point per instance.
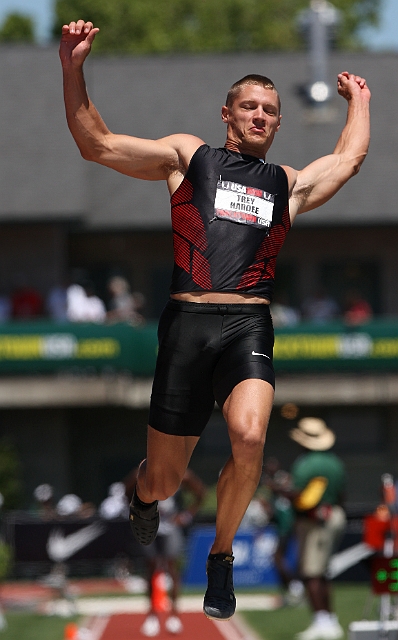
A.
x: 231, y: 211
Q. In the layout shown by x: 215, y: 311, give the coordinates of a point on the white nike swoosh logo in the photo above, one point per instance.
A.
x: 254, y: 353
x: 347, y: 558
x: 60, y: 547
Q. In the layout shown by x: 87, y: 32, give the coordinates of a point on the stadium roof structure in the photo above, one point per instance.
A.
x: 43, y: 177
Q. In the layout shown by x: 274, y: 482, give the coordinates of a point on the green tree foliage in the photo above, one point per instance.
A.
x: 160, y: 26
x: 17, y: 28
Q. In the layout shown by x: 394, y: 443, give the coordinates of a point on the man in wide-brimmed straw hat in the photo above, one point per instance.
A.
x: 318, y: 478
x: 313, y: 434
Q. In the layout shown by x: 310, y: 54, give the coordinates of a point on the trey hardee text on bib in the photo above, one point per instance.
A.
x: 246, y: 205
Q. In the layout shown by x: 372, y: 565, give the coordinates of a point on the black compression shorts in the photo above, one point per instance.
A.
x: 205, y: 350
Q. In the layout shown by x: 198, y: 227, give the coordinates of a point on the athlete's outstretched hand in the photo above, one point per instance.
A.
x: 351, y: 86
x: 77, y: 39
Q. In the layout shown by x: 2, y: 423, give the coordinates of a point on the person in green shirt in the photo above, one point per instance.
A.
x: 318, y: 478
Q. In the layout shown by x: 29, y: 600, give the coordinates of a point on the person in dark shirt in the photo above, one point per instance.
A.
x: 231, y: 211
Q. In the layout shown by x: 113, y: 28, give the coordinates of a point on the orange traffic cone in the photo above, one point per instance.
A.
x: 71, y: 631
x: 159, y: 598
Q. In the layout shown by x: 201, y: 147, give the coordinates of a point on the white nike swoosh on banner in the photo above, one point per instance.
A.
x: 254, y: 353
x: 61, y: 547
x: 347, y: 558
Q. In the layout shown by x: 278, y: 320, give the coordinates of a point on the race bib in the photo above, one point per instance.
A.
x: 245, y: 205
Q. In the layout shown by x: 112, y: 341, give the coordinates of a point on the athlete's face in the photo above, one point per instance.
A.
x: 252, y: 120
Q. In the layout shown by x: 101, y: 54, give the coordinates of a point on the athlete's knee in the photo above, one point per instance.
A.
x: 249, y: 431
x: 247, y: 439
x: 162, y: 484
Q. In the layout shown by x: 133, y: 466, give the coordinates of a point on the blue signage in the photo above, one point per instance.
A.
x: 254, y: 556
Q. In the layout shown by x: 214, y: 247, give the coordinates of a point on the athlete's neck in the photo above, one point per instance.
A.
x: 231, y: 145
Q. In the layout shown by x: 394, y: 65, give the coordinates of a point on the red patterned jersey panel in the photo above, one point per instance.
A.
x: 184, y: 193
x: 265, y: 258
x: 182, y: 253
x: 188, y: 223
x: 201, y: 270
x: 251, y: 276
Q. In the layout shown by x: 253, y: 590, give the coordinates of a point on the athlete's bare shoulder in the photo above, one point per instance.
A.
x: 291, y: 177
x: 185, y: 145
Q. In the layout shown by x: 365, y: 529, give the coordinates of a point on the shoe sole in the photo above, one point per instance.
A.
x: 217, y: 619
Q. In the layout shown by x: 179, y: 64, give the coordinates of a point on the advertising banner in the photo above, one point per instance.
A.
x: 44, y: 347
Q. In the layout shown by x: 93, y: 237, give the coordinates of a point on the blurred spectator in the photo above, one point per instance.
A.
x: 165, y: 553
x: 124, y: 306
x: 116, y: 504
x: 320, y: 308
x: 26, y: 303
x: 284, y: 315
x: 357, y: 309
x: 275, y: 485
x: 56, y: 303
x: 68, y: 505
x: 71, y: 506
x: 318, y: 483
x: 58, y: 581
x: 257, y: 514
x: 44, y: 497
x: 83, y: 305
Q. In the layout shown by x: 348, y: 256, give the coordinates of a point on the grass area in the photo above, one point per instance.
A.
x: 350, y: 601
x: 28, y: 626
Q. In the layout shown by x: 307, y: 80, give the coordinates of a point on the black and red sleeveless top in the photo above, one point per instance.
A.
x: 230, y: 216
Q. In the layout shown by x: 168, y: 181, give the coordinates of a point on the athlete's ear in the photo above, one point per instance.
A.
x: 279, y: 124
x: 224, y: 114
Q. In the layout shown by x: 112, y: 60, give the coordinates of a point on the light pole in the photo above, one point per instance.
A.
x: 318, y: 24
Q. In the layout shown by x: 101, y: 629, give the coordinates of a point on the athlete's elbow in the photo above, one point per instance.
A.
x: 85, y: 154
x: 88, y: 153
x: 357, y: 167
x: 357, y: 164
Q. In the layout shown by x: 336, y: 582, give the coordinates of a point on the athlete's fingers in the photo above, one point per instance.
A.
x: 79, y: 26
x: 72, y: 27
x: 88, y: 26
x: 91, y: 35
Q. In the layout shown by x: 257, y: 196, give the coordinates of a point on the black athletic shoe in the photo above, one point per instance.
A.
x: 219, y: 601
x: 144, y: 520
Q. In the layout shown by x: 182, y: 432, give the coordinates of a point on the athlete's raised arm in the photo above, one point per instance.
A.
x: 319, y: 181
x: 136, y: 157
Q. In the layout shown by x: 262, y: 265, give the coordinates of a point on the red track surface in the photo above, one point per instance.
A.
x: 34, y: 592
x: 127, y: 627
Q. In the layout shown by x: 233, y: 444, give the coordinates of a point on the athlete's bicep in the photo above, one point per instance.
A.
x: 146, y: 159
x: 318, y: 182
x: 137, y: 157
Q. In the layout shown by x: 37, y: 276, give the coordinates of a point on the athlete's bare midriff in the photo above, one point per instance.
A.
x: 217, y: 297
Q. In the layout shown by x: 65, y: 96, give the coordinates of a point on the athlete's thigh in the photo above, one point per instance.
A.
x: 187, y: 344
x: 182, y: 393
x: 168, y: 455
x: 247, y: 355
x: 248, y: 408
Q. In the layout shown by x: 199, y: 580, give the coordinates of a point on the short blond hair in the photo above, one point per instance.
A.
x: 252, y: 78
